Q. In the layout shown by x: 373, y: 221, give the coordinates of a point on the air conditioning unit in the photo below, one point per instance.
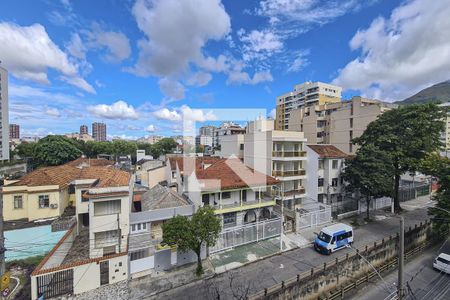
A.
x: 54, y: 206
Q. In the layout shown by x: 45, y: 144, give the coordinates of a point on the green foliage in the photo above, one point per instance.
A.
x: 56, y: 150
x: 440, y: 168
x: 406, y: 135
x: 191, y: 234
x: 199, y: 149
x: 370, y: 173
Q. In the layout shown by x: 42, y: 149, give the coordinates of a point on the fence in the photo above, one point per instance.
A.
x: 55, y: 284
x: 375, y: 204
x: 246, y: 234
x: 410, y: 190
x: 313, y: 215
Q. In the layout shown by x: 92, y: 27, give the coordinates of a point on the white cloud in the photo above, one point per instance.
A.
x: 185, y: 113
x: 80, y: 83
x: 118, y: 110
x: 240, y: 77
x: 402, y: 54
x: 199, y: 79
x: 116, y: 43
x: 171, y: 88
x: 175, y: 33
x: 272, y: 113
x: 76, y: 48
x: 259, y: 44
x: 300, y: 61
x: 150, y: 128
x: 28, y: 52
x: 53, y: 112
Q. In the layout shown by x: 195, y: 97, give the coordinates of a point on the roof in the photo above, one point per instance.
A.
x: 231, y: 173
x: 336, y: 228
x: 328, y: 151
x: 92, y: 162
x: 63, y: 175
x: 160, y: 197
x: 444, y: 255
x: 187, y: 162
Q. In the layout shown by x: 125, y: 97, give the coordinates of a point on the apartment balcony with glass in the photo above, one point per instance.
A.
x: 288, y: 170
x: 288, y: 151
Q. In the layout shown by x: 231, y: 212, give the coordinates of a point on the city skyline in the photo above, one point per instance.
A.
x: 90, y: 66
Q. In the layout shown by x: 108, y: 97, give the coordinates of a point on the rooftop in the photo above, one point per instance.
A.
x: 160, y: 197
x: 328, y: 151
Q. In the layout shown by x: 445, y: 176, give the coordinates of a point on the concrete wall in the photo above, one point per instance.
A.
x: 312, y: 166
x: 230, y: 145
x: 323, y: 279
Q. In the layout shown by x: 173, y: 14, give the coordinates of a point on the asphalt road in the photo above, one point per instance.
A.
x: 256, y: 276
x: 421, y: 280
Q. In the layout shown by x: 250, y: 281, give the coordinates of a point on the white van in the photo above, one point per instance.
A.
x: 334, y: 237
x: 442, y: 263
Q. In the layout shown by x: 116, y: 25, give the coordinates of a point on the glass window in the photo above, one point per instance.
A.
x: 335, y: 164
x: 320, y: 182
x: 44, y: 201
x: 321, y: 164
x: 324, y: 237
x: 334, y: 182
x: 18, y: 203
x: 107, y: 207
x: 226, y: 195
x: 229, y: 218
x: 443, y: 260
x: 139, y: 254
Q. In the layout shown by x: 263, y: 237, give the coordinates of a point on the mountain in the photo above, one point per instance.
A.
x: 436, y: 93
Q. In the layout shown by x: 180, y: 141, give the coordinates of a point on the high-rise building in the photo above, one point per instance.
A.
x: 84, y: 129
x: 305, y: 94
x: 337, y: 123
x: 206, y: 136
x: 4, y: 115
x: 99, y: 131
x: 14, y: 131
x: 445, y: 135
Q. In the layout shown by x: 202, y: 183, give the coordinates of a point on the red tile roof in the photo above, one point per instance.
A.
x: 328, y: 151
x: 231, y: 173
x: 186, y: 163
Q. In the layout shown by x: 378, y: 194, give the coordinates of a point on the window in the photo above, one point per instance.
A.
x: 342, y: 180
x: 321, y: 164
x: 320, y: 198
x: 106, y: 238
x: 229, y: 219
x: 140, y: 227
x: 107, y: 208
x: 226, y: 195
x: 18, y: 203
x: 241, y: 146
x: 258, y: 195
x: 139, y: 254
x: 335, y: 164
x: 351, y: 122
x: 205, y: 199
x: 320, y: 182
x: 84, y: 199
x: 44, y: 201
x: 334, y: 182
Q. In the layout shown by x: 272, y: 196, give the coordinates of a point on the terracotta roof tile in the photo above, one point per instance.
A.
x: 328, y: 151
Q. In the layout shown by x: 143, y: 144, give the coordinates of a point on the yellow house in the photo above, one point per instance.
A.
x: 46, y: 192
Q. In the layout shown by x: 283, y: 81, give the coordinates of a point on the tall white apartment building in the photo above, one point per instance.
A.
x: 4, y: 115
x: 276, y: 153
x: 445, y: 135
x: 305, y: 94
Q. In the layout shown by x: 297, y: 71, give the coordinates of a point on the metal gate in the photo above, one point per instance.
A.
x: 312, y: 218
x: 55, y: 284
x: 104, y: 272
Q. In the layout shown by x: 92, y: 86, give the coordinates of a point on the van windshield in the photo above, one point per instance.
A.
x: 324, y: 237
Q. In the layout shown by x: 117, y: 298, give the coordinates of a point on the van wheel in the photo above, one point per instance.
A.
x: 329, y: 252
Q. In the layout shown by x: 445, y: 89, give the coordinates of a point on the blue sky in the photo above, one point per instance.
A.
x: 142, y: 66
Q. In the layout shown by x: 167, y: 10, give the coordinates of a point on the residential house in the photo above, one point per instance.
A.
x: 150, y: 172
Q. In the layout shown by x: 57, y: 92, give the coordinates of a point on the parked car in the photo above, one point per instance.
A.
x: 442, y: 263
x: 334, y: 237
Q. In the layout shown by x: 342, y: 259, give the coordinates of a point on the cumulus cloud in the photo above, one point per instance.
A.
x: 150, y: 128
x: 259, y: 44
x: 199, y: 79
x: 53, y: 112
x: 116, y: 44
x: 28, y: 52
x: 76, y: 47
x: 240, y: 77
x: 272, y: 113
x: 171, y: 88
x: 402, y: 54
x: 119, y: 110
x: 175, y: 33
x: 185, y: 113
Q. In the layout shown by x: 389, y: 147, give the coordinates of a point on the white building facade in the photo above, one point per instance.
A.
x: 4, y: 115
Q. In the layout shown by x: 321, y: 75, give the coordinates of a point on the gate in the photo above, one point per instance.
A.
x: 313, y: 216
x: 55, y: 284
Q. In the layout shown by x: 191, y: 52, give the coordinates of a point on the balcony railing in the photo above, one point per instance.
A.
x: 264, y: 198
x: 288, y: 173
x: 288, y: 153
x: 293, y: 192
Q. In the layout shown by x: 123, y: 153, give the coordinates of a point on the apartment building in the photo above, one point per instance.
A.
x: 226, y: 129
x: 99, y: 131
x: 4, y: 115
x: 325, y: 164
x: 80, y: 136
x: 84, y: 129
x: 14, y: 131
x: 445, y: 135
x: 94, y: 251
x: 305, y: 94
x: 46, y: 192
x: 337, y: 123
x: 280, y: 154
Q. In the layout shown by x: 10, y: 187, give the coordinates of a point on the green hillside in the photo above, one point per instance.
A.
x: 436, y: 93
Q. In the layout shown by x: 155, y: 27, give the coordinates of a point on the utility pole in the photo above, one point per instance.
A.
x: 2, y: 237
x: 401, y: 258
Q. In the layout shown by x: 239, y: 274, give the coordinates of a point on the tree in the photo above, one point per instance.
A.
x: 193, y: 234
x: 406, y: 135
x: 56, y: 150
x: 370, y: 173
x: 167, y: 145
x: 199, y: 149
x: 440, y: 168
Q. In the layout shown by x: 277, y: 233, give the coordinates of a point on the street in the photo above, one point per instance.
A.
x: 256, y: 276
x: 421, y: 280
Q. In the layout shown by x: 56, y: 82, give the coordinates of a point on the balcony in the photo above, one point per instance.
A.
x: 288, y: 153
x: 266, y: 200
x: 290, y: 193
x: 288, y: 173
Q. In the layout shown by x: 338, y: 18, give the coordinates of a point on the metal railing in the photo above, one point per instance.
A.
x: 288, y: 153
x: 288, y: 173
